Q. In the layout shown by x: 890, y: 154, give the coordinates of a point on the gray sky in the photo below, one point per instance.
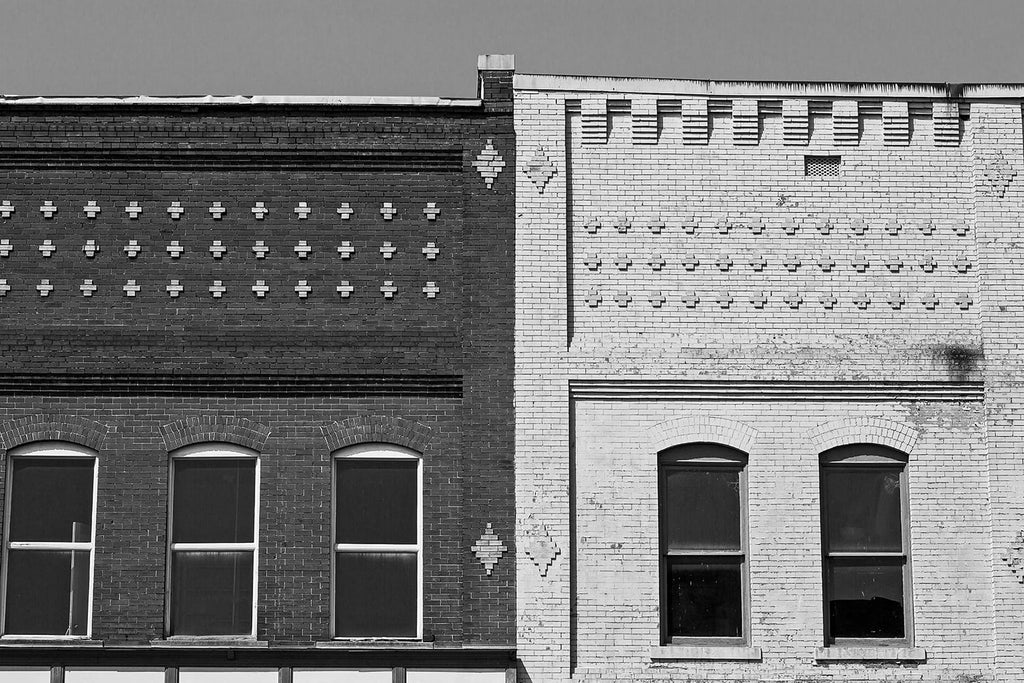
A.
x: 429, y: 47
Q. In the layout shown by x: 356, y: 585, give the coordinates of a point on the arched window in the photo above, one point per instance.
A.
x: 378, y: 542
x: 214, y: 533
x: 49, y: 540
x: 703, y: 530
x: 865, y: 544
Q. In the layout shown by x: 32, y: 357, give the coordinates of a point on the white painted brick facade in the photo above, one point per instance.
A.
x: 931, y: 363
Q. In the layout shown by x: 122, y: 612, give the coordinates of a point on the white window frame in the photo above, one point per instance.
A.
x: 377, y: 451
x: 42, y: 450
x: 213, y: 451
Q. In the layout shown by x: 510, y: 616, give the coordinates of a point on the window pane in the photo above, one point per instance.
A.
x: 705, y: 599
x: 214, y: 501
x: 376, y: 594
x: 47, y: 592
x: 701, y: 509
x: 377, y: 501
x: 865, y: 601
x: 51, y: 499
x: 863, y: 509
x: 211, y: 593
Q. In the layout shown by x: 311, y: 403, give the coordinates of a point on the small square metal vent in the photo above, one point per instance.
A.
x: 821, y: 166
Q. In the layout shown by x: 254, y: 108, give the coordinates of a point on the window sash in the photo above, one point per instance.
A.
x: 713, y: 463
x: 213, y: 451
x: 876, y: 460
x: 42, y: 451
x: 386, y: 452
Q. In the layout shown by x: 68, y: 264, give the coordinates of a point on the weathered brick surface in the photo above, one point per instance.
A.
x: 135, y: 377
x: 722, y: 323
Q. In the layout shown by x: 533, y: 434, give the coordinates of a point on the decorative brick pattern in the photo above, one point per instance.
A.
x: 796, y: 122
x: 895, y: 123
x: 644, y: 119
x: 214, y: 428
x: 845, y: 122
x: 878, y: 430
x: 946, y: 123
x: 377, y: 429
x: 695, y: 126
x: 595, y: 121
x: 53, y: 427
x: 489, y: 549
x: 746, y: 122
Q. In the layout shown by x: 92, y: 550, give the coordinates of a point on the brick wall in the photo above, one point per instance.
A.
x: 674, y: 262
x: 245, y: 338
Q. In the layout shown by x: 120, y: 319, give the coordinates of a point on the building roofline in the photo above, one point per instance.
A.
x: 711, y: 88
x: 236, y: 100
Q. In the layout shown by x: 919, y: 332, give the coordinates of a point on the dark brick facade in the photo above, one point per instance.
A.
x: 294, y: 378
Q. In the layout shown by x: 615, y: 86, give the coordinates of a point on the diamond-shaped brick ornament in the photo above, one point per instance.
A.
x: 47, y: 248
x: 217, y: 211
x: 1013, y: 556
x: 6, y: 208
x: 489, y: 549
x: 431, y: 211
x: 91, y: 209
x: 388, y: 210
x: 344, y: 289
x: 87, y: 288
x: 303, y: 289
x: 994, y: 174
x: 302, y: 210
x: 174, y: 249
x: 431, y: 251
x: 431, y: 290
x: 90, y: 248
x: 44, y: 288
x: 174, y: 289
x: 538, y: 545
x: 134, y: 210
x: 4, y: 287
x: 6, y: 248
x: 345, y: 211
x: 48, y: 209
x: 175, y: 210
x: 539, y: 168
x: 260, y: 210
x: 489, y: 163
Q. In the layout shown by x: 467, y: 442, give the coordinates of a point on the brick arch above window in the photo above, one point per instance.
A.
x: 376, y: 429
x: 702, y: 428
x: 877, y: 430
x: 236, y: 430
x: 52, y: 427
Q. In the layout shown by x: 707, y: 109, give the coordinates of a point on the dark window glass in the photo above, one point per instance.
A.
x: 376, y: 501
x: 701, y: 509
x: 51, y: 499
x: 376, y: 594
x: 705, y: 598
x: 47, y: 592
x: 866, y: 600
x: 214, y: 500
x: 863, y: 509
x: 211, y: 593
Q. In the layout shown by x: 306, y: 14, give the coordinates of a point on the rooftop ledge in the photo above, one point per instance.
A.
x: 233, y: 100
x: 708, y: 88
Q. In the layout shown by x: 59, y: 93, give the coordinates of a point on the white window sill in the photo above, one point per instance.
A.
x: 724, y: 652
x: 372, y: 644
x: 56, y: 641
x: 871, y: 654
x: 209, y: 641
